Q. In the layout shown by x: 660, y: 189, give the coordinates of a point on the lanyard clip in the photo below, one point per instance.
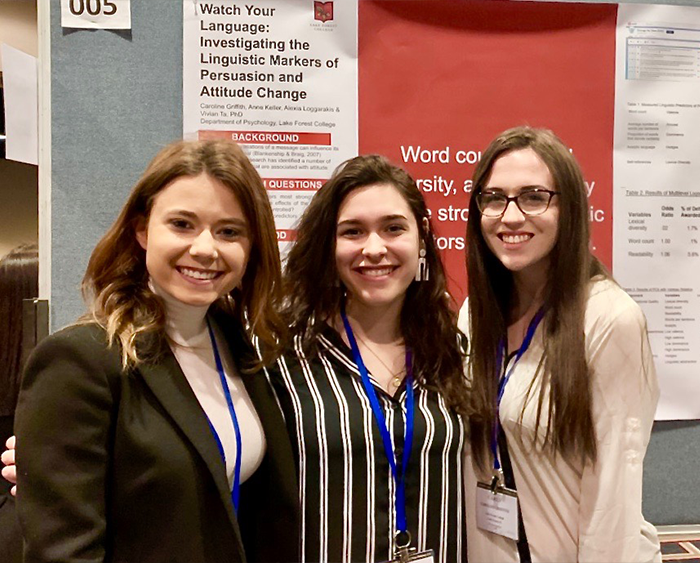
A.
x: 403, y: 550
x: 496, y: 480
x: 403, y: 554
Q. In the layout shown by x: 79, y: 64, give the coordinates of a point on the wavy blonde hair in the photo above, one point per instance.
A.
x: 115, y: 285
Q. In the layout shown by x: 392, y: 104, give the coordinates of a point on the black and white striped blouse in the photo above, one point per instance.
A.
x: 346, y: 489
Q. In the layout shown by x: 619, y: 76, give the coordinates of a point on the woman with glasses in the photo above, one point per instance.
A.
x: 563, y: 386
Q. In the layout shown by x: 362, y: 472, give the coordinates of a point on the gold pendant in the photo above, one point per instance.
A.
x: 396, y: 381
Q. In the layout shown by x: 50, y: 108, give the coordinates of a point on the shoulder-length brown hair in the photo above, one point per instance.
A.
x: 315, y: 293
x: 19, y: 280
x: 568, y: 423
x: 115, y: 285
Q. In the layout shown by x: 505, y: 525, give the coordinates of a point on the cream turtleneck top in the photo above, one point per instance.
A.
x: 190, y: 342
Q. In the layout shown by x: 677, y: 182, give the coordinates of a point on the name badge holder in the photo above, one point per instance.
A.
x: 407, y: 554
x: 403, y: 552
x: 497, y: 509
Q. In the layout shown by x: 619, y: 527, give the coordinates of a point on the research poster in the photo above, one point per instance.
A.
x: 280, y: 78
x: 429, y: 83
x: 656, y: 242
x: 439, y: 80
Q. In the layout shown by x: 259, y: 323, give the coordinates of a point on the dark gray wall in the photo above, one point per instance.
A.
x: 116, y: 99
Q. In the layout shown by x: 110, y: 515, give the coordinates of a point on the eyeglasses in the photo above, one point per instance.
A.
x: 533, y: 201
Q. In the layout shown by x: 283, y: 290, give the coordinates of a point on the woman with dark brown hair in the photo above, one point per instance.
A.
x: 563, y: 386
x: 142, y: 428
x: 19, y: 280
x: 372, y: 386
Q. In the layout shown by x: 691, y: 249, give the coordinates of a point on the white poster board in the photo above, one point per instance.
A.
x: 280, y: 78
x: 656, y: 240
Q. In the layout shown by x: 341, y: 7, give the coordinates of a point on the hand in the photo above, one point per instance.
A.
x: 9, y: 472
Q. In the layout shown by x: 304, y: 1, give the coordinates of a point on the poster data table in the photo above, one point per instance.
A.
x: 656, y: 242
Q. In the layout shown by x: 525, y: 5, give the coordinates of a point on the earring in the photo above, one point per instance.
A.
x: 422, y: 272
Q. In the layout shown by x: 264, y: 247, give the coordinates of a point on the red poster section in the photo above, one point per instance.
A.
x: 439, y: 79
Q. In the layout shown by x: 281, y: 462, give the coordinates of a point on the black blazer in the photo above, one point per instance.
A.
x: 118, y: 465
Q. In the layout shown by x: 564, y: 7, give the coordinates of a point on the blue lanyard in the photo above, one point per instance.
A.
x: 381, y: 423
x: 235, y: 493
x: 531, y: 329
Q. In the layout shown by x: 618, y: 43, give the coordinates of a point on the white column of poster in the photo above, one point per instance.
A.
x: 280, y: 78
x: 656, y: 248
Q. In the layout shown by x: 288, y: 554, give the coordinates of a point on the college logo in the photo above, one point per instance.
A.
x: 323, y: 11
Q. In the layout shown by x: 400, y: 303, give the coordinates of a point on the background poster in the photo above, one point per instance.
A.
x: 657, y: 189
x: 445, y: 77
x: 280, y: 78
x: 437, y: 80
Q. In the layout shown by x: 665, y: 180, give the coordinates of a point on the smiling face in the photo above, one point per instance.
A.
x: 196, y: 240
x: 521, y: 242
x: 377, y: 246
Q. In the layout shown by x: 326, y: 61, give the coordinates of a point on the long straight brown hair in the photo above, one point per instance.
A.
x: 568, y: 421
x: 115, y: 285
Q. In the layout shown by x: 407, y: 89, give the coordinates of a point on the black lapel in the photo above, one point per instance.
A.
x: 169, y: 385
x: 273, y: 489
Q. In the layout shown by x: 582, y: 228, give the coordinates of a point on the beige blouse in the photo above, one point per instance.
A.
x: 575, y: 512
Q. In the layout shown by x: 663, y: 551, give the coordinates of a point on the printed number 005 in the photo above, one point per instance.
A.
x: 93, y: 7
